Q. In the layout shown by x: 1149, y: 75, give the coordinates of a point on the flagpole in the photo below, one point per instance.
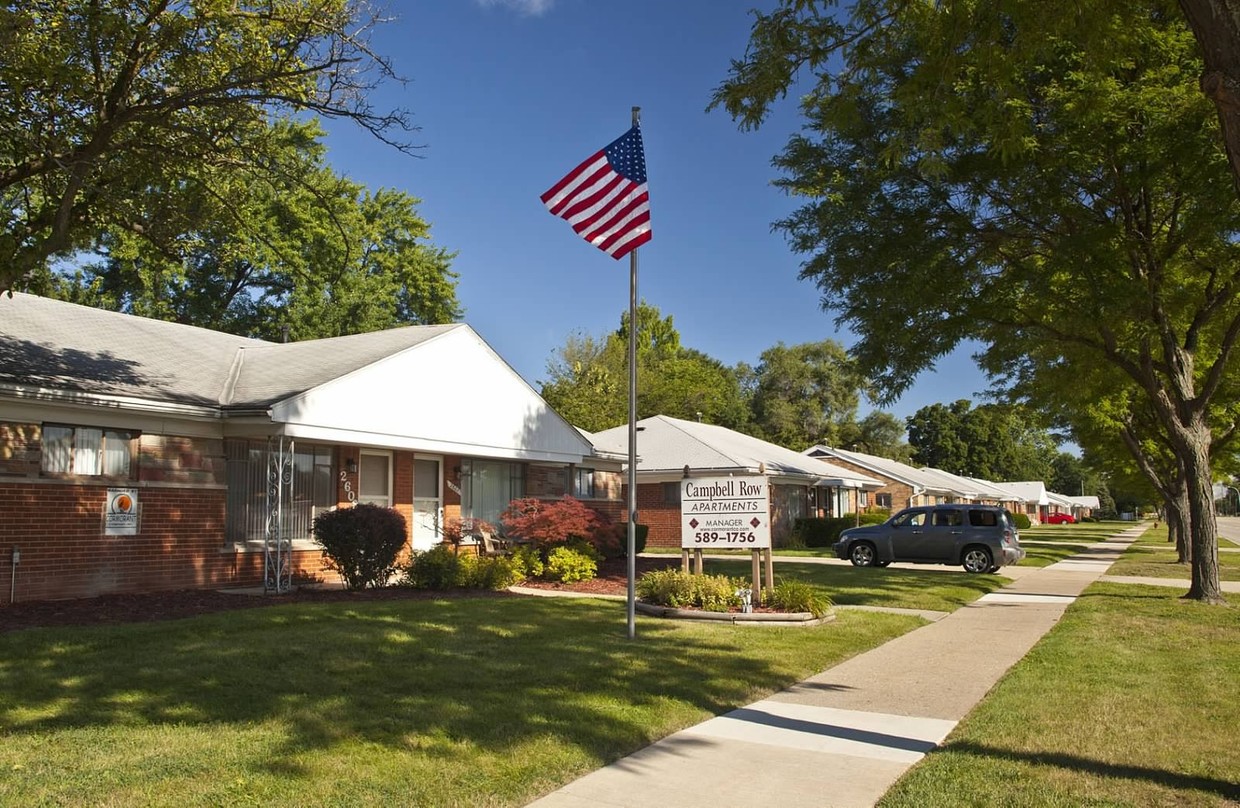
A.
x: 632, y: 537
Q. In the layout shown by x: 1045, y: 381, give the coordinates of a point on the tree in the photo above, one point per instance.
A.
x: 879, y: 433
x: 310, y: 254
x: 990, y: 442
x: 805, y: 394
x: 588, y: 380
x: 109, y: 104
x: 969, y: 176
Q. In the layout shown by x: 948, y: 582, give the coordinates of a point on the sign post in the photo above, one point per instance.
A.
x: 726, y: 512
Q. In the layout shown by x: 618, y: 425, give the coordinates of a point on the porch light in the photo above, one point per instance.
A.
x: 350, y: 465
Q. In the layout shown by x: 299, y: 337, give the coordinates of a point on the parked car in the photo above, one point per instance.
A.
x: 981, y: 538
x: 1061, y: 519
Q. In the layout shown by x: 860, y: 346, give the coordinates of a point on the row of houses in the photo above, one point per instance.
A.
x: 142, y: 455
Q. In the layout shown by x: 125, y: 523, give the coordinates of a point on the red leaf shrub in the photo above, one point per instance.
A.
x: 556, y: 522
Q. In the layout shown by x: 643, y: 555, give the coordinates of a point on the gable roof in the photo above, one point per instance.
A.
x: 667, y: 445
x: 891, y: 469
x: 51, y: 344
x: 1032, y: 492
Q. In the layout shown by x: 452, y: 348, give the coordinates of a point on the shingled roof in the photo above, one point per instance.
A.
x: 50, y: 344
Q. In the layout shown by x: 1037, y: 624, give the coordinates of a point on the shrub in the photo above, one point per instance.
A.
x: 361, y: 543
x: 552, y: 523
x: 488, y: 573
x: 567, y: 564
x: 826, y: 531
x: 1022, y: 521
x: 528, y: 561
x: 671, y: 587
x: 614, y: 543
x: 436, y: 568
x: 798, y: 596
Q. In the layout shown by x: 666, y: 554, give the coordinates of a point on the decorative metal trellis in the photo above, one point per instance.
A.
x: 278, y: 542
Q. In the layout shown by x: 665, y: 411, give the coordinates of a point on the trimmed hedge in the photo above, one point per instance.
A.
x: 815, y: 532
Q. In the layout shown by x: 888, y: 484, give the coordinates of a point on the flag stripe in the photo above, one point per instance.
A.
x: 605, y: 198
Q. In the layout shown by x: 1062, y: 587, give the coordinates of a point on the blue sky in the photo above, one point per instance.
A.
x: 510, y: 95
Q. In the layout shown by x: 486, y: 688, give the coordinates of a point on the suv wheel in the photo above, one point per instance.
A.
x: 976, y: 559
x: 861, y: 554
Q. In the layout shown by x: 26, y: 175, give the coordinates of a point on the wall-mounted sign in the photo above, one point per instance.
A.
x: 120, y: 512
x: 725, y: 512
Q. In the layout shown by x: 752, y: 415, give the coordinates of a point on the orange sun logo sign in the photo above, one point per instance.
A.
x: 122, y: 503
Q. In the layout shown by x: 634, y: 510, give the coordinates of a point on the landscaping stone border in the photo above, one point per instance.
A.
x: 738, y: 618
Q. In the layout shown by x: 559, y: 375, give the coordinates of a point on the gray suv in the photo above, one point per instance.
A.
x: 981, y: 538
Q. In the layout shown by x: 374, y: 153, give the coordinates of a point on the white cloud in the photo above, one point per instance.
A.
x: 530, y: 8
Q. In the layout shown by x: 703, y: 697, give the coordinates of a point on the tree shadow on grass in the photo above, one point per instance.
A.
x: 1169, y: 779
x: 432, y: 674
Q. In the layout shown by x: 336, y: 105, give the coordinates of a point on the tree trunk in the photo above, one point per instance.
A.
x: 1177, y: 525
x: 1216, y: 26
x: 1203, y: 527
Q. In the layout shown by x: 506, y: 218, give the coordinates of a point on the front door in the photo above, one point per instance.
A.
x: 427, y: 501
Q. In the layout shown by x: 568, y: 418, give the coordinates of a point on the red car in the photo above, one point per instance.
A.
x: 1061, y: 519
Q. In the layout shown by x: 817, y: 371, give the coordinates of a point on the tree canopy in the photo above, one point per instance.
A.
x: 308, y: 254
x: 987, y: 171
x: 108, y: 105
x: 805, y: 394
x: 989, y: 442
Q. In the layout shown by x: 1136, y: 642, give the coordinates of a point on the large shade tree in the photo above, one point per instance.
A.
x: 303, y: 255
x: 967, y: 175
x: 108, y: 104
x: 805, y: 394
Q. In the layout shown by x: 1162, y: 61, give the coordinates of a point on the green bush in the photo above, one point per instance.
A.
x: 493, y: 573
x: 528, y: 561
x: 671, y: 587
x: 798, y: 596
x: 614, y: 542
x: 823, y: 532
x: 568, y: 564
x: 361, y: 543
x: 436, y: 568
x: 1022, y: 521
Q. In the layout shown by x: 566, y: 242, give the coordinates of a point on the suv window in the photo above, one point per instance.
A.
x: 912, y: 519
x: 950, y: 518
x: 979, y: 518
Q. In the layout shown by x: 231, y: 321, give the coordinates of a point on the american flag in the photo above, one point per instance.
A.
x: 605, y: 198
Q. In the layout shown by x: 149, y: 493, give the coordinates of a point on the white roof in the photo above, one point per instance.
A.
x: 1060, y: 500
x: 1030, y: 491
x: 919, y: 480
x: 1089, y: 501
x: 666, y: 445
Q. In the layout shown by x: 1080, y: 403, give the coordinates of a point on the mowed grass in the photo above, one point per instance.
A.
x: 1079, y: 533
x: 937, y: 588
x: 471, y: 702
x: 1130, y: 700
x: 1153, y: 556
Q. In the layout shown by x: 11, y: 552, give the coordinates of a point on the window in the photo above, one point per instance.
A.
x: 950, y: 518
x: 912, y: 519
x: 583, y: 483
x: 983, y: 518
x: 487, y: 486
x: 863, y: 499
x: 883, y: 500
x: 374, y: 485
x: 87, y: 451
x: 313, y: 483
x: 671, y: 493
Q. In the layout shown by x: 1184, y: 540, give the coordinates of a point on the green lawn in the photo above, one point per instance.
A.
x: 1153, y: 556
x: 1130, y: 700
x: 1080, y: 533
x: 472, y: 701
x: 939, y: 588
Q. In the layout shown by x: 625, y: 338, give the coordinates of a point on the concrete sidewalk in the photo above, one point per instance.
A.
x: 842, y: 737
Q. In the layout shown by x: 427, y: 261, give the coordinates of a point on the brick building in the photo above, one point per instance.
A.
x: 140, y: 455
x: 670, y: 449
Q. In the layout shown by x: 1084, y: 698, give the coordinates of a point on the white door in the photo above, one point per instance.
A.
x: 427, y: 501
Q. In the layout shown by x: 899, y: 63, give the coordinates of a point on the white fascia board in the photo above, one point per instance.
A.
x: 419, y: 444
x: 114, y: 414
x: 452, y: 392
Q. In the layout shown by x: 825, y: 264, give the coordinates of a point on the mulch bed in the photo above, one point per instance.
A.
x: 114, y: 609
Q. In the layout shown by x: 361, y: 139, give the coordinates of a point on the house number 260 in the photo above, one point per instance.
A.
x: 348, y: 487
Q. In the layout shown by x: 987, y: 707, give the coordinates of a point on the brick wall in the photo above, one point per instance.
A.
x: 64, y: 554
x: 901, y: 494
x: 662, y: 517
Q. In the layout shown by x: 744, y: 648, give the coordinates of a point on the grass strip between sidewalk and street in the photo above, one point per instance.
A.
x: 456, y: 701
x: 1152, y: 556
x: 1129, y: 700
